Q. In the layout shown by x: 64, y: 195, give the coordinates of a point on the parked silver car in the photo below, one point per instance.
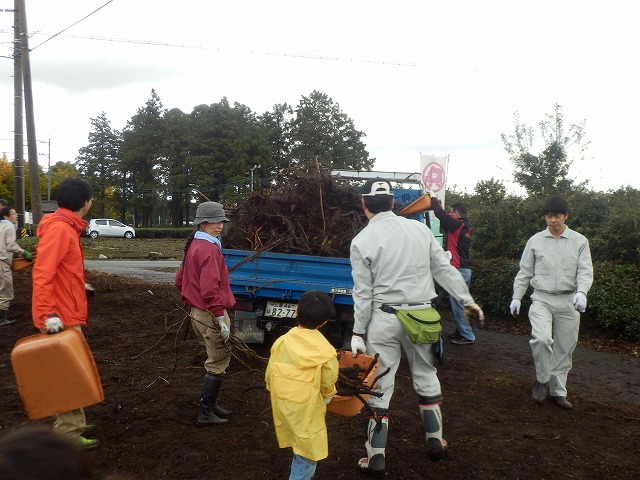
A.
x: 108, y: 227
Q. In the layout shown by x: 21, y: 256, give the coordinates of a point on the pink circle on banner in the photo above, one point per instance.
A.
x: 433, y: 177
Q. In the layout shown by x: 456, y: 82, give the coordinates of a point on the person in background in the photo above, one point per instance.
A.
x: 8, y: 249
x: 301, y: 377
x: 557, y: 264
x: 458, y: 241
x: 59, y: 297
x: 203, y: 281
x: 394, y: 263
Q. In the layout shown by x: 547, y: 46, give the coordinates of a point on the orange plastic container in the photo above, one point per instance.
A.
x: 418, y: 205
x: 55, y: 373
x: 351, y: 406
x: 19, y: 263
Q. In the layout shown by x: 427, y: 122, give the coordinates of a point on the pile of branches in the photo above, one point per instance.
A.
x: 305, y: 214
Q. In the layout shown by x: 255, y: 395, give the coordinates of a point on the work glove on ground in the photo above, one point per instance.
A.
x: 225, y: 333
x: 474, y: 313
x: 514, y: 308
x: 580, y: 301
x: 357, y: 345
x: 27, y: 256
x: 53, y: 325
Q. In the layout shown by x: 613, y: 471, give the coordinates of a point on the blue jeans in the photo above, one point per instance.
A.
x: 302, y: 468
x: 462, y: 325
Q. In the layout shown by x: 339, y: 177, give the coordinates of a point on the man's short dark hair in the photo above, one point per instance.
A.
x: 378, y: 204
x: 3, y: 202
x: 555, y: 205
x: 73, y: 193
x: 461, y: 208
x: 5, y: 211
x: 314, y: 308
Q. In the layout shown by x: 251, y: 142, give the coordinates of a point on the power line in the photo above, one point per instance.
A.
x: 65, y: 29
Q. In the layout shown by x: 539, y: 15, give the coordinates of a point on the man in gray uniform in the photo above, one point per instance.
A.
x: 394, y: 263
x: 557, y: 264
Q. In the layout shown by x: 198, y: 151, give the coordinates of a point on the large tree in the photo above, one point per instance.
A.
x: 97, y: 162
x: 140, y: 155
x: 322, y: 134
x: 174, y: 168
x: 546, y: 173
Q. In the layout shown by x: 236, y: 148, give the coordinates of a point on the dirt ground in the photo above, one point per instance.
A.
x: 152, y: 375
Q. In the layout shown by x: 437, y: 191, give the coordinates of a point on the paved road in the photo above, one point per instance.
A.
x: 153, y: 271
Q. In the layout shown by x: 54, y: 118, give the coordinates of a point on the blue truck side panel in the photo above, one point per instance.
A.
x: 285, y: 277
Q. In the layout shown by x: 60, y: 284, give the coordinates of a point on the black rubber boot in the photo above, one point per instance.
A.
x: 4, y: 321
x: 210, y: 412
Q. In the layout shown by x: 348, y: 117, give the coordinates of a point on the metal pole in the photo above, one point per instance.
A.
x: 18, y: 163
x: 49, y: 171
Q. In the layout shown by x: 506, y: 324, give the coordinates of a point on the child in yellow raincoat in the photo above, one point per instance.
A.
x: 301, y: 376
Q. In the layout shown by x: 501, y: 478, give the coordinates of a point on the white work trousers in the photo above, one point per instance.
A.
x: 555, y: 324
x: 386, y: 336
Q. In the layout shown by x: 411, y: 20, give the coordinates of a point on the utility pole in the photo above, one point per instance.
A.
x: 34, y: 170
x: 18, y: 162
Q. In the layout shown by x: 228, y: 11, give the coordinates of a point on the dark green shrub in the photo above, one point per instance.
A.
x: 614, y: 299
x: 492, y: 284
x: 163, y: 232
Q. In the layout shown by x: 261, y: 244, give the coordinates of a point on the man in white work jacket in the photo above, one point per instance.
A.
x: 557, y: 264
x: 394, y: 263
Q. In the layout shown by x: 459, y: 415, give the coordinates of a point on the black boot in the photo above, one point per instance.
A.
x: 4, y: 321
x: 210, y: 412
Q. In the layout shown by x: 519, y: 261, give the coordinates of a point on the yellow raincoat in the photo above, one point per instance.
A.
x: 302, y: 372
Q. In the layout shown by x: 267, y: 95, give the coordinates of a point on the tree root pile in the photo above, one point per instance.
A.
x: 311, y: 215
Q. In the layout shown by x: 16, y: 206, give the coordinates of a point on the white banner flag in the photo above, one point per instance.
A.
x: 434, y: 174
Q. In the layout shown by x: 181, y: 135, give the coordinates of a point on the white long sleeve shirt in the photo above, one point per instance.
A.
x: 395, y: 260
x: 555, y: 265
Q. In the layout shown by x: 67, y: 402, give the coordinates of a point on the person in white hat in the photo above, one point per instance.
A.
x: 394, y: 263
x: 203, y: 281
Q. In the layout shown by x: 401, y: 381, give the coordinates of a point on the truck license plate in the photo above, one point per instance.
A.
x: 280, y: 310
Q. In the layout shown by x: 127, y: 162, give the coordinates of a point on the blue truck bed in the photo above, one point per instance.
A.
x: 286, y: 277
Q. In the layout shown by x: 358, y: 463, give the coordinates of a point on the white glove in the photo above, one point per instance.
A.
x: 224, y: 330
x: 53, y: 325
x: 580, y: 301
x: 514, y: 308
x: 357, y: 345
x: 473, y: 312
x: 327, y: 400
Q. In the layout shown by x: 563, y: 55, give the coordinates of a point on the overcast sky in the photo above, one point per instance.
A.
x: 441, y: 78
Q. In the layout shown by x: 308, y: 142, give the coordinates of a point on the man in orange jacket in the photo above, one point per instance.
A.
x: 59, y: 296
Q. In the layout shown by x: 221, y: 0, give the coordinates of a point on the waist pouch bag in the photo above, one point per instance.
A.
x: 422, y: 326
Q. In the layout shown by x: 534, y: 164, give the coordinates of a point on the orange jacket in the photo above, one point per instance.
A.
x: 58, y: 274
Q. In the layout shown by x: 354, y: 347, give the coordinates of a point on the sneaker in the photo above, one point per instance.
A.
x: 363, y: 466
x: 454, y: 334
x: 87, y: 443
x: 436, y: 449
x: 462, y: 341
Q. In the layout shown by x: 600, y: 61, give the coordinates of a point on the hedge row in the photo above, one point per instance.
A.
x: 613, y: 302
x: 163, y: 232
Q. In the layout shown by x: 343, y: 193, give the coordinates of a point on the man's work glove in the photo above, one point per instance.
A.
x: 327, y: 400
x: 474, y: 313
x: 580, y: 301
x: 27, y: 256
x: 225, y: 333
x: 514, y: 308
x: 88, y: 288
x: 357, y: 345
x: 53, y: 325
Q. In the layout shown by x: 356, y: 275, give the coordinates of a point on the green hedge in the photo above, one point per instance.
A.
x: 163, y: 232
x: 613, y: 303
